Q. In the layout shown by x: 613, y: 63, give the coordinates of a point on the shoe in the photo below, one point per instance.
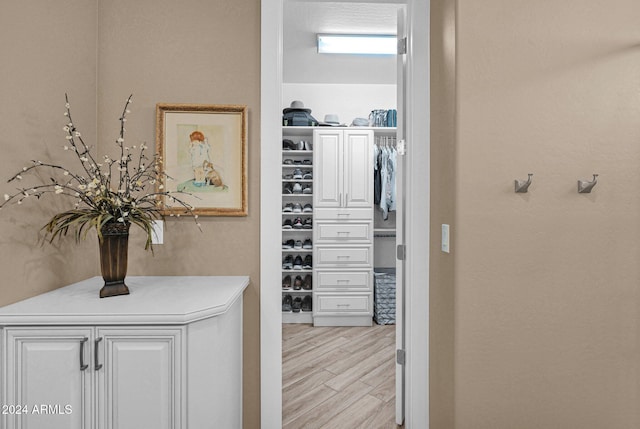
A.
x: 306, y: 304
x: 297, y: 208
x: 307, y: 162
x: 297, y: 263
x: 297, y: 283
x: 287, y: 263
x: 287, y: 303
x: 287, y: 176
x: 307, y: 244
x: 307, y: 284
x: 308, y: 208
x: 297, y: 174
x: 300, y: 145
x: 288, y: 208
x: 287, y: 188
x: 288, y: 144
x: 287, y: 224
x: 307, y: 175
x: 287, y: 161
x: 288, y: 244
x: 308, y: 223
x: 286, y: 283
x: 307, y: 265
x: 297, y: 162
x: 307, y: 189
x: 297, y: 223
x: 308, y: 146
x: 297, y: 189
x: 297, y: 245
x: 296, y: 305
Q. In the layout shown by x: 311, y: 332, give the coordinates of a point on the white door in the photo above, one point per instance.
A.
x: 400, y: 218
x: 327, y: 168
x: 139, y: 378
x: 358, y: 169
x: 48, y: 381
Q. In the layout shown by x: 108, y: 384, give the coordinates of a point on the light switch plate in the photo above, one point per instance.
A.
x: 157, y: 235
x: 445, y: 238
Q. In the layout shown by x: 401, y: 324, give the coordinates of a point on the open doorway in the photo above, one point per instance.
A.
x: 338, y: 357
x: 417, y: 311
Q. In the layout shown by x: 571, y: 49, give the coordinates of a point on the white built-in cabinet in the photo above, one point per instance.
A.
x: 343, y: 227
x: 169, y: 355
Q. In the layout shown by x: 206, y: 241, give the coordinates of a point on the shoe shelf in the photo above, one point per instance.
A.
x: 293, y: 160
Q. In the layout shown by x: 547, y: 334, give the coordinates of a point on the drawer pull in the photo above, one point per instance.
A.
x: 344, y: 256
x: 343, y: 281
x: 344, y: 232
x: 344, y: 214
x: 83, y: 365
x: 343, y: 305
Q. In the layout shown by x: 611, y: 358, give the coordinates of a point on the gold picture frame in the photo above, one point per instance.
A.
x: 204, y: 158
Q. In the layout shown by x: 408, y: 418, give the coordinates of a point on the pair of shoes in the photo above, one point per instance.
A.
x: 306, y: 303
x: 288, y: 145
x: 297, y: 188
x: 307, y: 175
x: 288, y: 244
x: 308, y: 208
x: 297, y: 208
x: 307, y: 264
x: 288, y: 208
x: 287, y: 303
x: 287, y: 224
x: 307, y: 189
x: 298, y: 263
x: 287, y: 176
x: 298, y: 223
x: 297, y: 174
x: 308, y: 223
x: 306, y: 284
x: 307, y: 244
x: 286, y: 282
x: 296, y: 304
x: 297, y: 283
x: 297, y: 245
x: 287, y: 263
x: 287, y: 188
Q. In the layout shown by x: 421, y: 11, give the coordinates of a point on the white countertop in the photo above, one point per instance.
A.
x: 166, y: 300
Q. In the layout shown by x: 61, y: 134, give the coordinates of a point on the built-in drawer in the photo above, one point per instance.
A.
x: 359, y: 304
x: 342, y: 214
x: 342, y: 256
x: 343, y: 280
x: 332, y: 232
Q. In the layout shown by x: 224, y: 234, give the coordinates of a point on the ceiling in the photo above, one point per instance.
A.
x: 303, y: 20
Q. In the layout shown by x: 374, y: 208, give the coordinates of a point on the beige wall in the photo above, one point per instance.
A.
x: 191, y: 51
x: 546, y: 283
x: 47, y: 48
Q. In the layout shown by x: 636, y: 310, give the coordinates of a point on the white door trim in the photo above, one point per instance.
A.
x: 417, y: 216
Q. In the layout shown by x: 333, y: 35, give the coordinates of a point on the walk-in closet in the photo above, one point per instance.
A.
x: 340, y: 151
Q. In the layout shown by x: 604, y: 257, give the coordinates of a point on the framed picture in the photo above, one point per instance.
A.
x: 204, y: 153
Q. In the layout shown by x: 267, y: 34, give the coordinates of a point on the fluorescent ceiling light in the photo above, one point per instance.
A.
x: 368, y: 44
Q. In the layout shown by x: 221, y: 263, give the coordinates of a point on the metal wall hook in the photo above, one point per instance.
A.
x: 585, y: 187
x: 522, y: 186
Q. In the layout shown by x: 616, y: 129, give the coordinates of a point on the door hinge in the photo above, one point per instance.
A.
x: 401, y: 357
x: 401, y: 147
x: 402, y: 46
x: 401, y: 252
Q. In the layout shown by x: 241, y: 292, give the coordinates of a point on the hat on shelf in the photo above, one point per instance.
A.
x: 360, y: 122
x: 331, y: 120
x: 296, y: 105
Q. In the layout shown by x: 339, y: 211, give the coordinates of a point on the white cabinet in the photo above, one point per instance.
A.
x: 343, y: 227
x: 343, y: 162
x: 167, y: 356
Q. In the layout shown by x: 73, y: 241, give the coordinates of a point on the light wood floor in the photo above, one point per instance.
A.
x: 338, y: 377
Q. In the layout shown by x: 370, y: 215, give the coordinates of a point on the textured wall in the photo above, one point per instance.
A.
x: 546, y: 283
x: 47, y: 48
x: 192, y: 51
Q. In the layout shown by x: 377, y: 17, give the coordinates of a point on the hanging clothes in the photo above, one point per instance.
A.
x: 388, y: 180
x: 377, y: 178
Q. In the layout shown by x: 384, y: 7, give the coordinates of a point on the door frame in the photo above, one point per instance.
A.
x: 417, y: 219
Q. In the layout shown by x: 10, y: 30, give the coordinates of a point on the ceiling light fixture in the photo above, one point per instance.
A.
x: 363, y: 44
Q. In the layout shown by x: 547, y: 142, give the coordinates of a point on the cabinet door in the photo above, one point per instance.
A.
x: 327, y: 168
x: 139, y: 383
x: 358, y: 168
x: 48, y: 378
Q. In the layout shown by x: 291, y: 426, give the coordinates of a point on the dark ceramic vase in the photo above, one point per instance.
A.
x: 113, y: 258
